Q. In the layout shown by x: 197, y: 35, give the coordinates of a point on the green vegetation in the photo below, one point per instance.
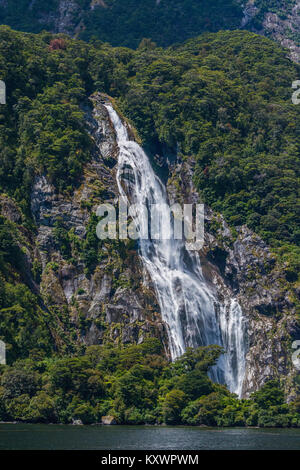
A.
x: 281, y: 9
x: 24, y: 15
x: 222, y: 101
x: 225, y: 102
x: 23, y: 324
x: 126, y: 23
x: 136, y: 386
x: 235, y: 120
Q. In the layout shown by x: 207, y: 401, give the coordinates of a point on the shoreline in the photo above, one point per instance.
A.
x: 201, y: 426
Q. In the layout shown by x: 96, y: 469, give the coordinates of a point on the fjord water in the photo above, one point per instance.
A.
x: 56, y: 437
x: 189, y: 306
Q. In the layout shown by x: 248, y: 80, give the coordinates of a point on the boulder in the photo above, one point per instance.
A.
x: 77, y: 422
x: 108, y: 420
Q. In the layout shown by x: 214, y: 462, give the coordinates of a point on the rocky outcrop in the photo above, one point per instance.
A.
x: 285, y: 30
x: 250, y: 11
x: 65, y: 19
x: 77, y: 422
x: 9, y: 209
x: 281, y: 23
x: 240, y: 265
x: 109, y: 302
x: 249, y: 272
x: 108, y: 420
x: 279, y: 20
x: 111, y: 299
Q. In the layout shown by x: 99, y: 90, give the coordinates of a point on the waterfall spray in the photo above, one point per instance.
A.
x: 189, y: 307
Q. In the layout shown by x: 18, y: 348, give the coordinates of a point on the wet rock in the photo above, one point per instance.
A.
x: 108, y: 420
x: 242, y: 266
x: 77, y: 422
x: 93, y: 303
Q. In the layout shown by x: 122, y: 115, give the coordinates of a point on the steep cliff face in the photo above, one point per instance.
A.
x: 116, y: 301
x: 99, y: 292
x: 103, y: 299
x: 279, y: 20
x: 240, y: 265
x: 66, y: 19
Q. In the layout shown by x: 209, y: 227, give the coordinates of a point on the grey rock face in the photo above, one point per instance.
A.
x: 250, y: 10
x: 117, y: 302
x: 63, y: 19
x: 77, y: 422
x: 285, y: 28
x: 9, y: 209
x: 278, y: 27
x: 242, y: 266
x: 109, y: 313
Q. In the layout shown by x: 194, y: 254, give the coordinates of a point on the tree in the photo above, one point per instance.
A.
x: 269, y: 395
x: 16, y: 382
x: 42, y: 408
x: 173, y: 405
x: 194, y: 384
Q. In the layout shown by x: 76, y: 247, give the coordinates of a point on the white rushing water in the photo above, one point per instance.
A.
x: 188, y: 305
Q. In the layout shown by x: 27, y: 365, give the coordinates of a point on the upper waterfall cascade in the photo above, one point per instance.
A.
x: 189, y: 306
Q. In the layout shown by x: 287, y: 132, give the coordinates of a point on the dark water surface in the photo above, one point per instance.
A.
x: 42, y: 437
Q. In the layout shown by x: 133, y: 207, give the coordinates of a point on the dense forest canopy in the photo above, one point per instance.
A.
x: 222, y: 101
x: 125, y: 23
x: 235, y: 117
x: 136, y: 385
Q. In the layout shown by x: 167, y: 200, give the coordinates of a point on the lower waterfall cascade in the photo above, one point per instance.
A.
x: 189, y: 307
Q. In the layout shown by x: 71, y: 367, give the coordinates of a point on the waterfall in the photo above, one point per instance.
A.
x: 188, y: 304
